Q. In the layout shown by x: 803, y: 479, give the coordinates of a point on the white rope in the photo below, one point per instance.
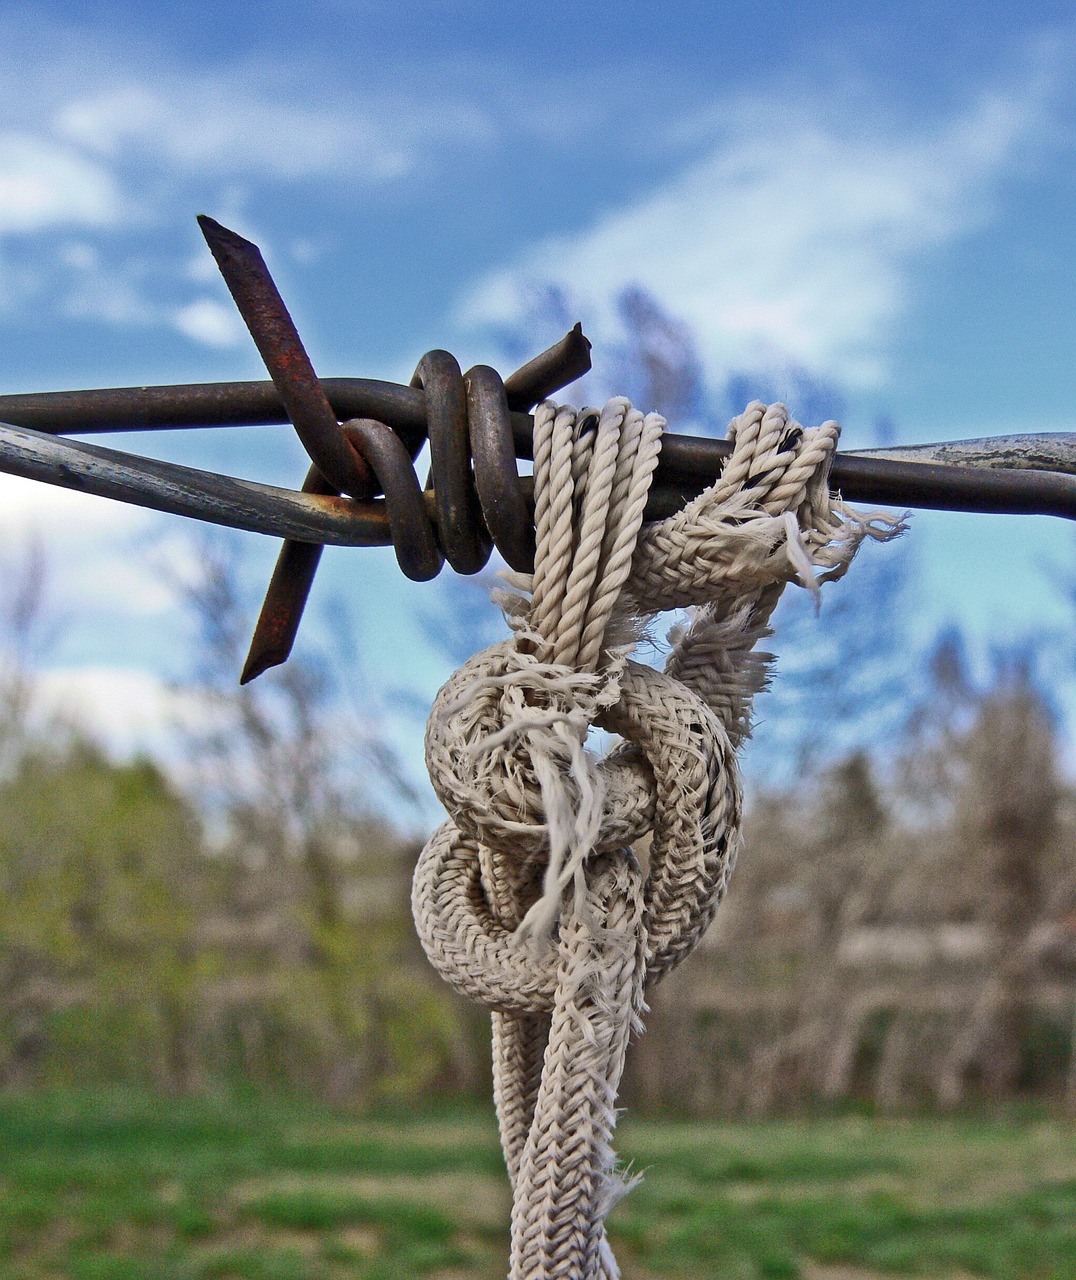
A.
x: 529, y: 899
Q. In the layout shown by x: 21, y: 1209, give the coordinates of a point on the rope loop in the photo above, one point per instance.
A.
x: 674, y: 777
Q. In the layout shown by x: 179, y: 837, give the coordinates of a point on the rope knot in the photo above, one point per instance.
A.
x: 506, y: 749
x: 529, y: 899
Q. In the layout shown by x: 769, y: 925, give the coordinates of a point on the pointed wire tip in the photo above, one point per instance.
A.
x: 218, y: 236
x: 259, y: 661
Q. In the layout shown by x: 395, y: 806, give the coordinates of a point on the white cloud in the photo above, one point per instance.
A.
x: 100, y: 295
x: 234, y: 123
x: 26, y: 506
x: 94, y: 118
x: 103, y: 133
x: 80, y: 256
x: 120, y: 297
x: 101, y: 554
x: 211, y: 323
x: 44, y: 184
x: 129, y: 711
x: 793, y: 239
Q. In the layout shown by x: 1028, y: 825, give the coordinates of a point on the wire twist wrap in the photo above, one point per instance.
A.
x: 528, y: 899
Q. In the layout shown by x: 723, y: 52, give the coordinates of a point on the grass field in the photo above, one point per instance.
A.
x: 127, y: 1187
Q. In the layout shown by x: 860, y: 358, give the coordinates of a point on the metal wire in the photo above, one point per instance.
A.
x: 1036, y: 468
x: 363, y: 436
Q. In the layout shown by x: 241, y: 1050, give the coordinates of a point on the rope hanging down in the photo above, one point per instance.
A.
x: 529, y: 899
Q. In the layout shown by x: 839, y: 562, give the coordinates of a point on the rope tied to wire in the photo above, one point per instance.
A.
x: 529, y: 899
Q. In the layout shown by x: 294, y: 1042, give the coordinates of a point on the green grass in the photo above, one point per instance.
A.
x: 129, y: 1187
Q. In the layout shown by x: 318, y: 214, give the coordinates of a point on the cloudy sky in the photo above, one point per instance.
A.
x: 883, y: 199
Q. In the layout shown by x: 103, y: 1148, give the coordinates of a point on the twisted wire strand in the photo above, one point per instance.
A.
x: 478, y: 503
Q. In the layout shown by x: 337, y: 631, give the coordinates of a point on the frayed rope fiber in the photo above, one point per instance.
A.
x: 529, y: 898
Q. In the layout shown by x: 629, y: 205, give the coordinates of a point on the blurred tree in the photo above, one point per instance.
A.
x: 1007, y: 814
x: 297, y: 777
x: 841, y: 866
x: 98, y: 899
x: 657, y: 365
x: 985, y: 761
x: 25, y: 629
x: 844, y: 674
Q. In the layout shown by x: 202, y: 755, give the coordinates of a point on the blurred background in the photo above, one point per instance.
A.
x: 207, y: 964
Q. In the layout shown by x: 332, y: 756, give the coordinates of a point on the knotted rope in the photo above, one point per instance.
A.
x: 529, y: 899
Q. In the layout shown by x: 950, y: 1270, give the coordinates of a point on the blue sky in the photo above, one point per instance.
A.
x: 885, y: 199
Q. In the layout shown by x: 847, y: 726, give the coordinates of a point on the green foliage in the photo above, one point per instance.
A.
x: 97, y: 909
x: 129, y: 953
x: 93, y: 856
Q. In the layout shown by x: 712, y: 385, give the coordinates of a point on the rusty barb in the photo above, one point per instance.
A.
x: 363, y: 436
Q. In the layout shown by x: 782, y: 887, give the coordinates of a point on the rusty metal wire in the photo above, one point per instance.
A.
x: 363, y: 436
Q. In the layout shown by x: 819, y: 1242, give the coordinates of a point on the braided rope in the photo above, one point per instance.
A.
x: 529, y: 899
